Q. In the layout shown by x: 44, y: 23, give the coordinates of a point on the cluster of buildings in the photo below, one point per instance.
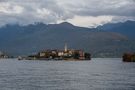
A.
x: 66, y: 54
x: 3, y: 55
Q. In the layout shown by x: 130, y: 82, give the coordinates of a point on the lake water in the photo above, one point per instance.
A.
x: 97, y: 74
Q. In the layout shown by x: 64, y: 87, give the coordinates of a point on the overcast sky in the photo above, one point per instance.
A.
x: 85, y: 13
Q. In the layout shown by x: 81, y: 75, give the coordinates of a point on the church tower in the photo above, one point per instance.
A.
x: 65, y: 48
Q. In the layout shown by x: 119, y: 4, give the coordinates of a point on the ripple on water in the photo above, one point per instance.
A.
x: 99, y: 74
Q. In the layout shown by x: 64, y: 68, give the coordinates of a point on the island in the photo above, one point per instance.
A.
x: 66, y: 54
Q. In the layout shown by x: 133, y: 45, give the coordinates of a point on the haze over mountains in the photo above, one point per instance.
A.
x: 109, y: 40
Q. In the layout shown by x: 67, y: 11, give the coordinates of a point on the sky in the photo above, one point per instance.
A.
x: 86, y: 13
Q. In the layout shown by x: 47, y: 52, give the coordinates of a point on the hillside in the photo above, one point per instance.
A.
x: 24, y: 40
x: 126, y: 28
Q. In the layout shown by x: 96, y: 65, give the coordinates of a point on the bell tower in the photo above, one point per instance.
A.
x: 65, y: 48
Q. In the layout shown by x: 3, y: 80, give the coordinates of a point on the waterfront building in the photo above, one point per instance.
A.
x: 3, y: 55
x: 129, y: 57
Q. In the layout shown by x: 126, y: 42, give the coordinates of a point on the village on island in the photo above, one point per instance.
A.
x: 66, y: 54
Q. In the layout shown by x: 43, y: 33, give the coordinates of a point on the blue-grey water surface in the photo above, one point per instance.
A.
x: 97, y: 74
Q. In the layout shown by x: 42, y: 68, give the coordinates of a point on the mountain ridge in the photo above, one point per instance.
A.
x: 24, y: 40
x: 126, y: 28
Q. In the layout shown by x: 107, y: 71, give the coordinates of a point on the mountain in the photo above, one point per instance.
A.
x: 25, y: 40
x: 126, y: 28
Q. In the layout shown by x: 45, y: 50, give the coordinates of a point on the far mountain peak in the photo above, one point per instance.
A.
x: 66, y: 23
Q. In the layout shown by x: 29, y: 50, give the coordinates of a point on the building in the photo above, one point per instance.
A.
x: 3, y: 55
x: 129, y: 57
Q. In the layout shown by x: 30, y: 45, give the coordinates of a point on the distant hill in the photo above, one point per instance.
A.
x: 25, y: 40
x: 126, y: 28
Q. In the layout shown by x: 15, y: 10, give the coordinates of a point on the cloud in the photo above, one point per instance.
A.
x: 8, y: 9
x: 79, y: 12
x: 29, y: 11
x: 100, y: 7
x: 90, y: 21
